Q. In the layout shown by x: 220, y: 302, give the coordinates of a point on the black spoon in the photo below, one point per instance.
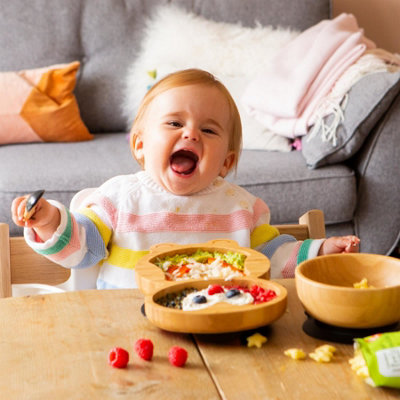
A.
x: 31, y: 203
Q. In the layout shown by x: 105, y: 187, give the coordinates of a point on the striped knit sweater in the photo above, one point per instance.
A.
x: 121, y: 219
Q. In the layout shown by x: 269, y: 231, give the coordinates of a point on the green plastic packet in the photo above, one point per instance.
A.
x: 377, y: 359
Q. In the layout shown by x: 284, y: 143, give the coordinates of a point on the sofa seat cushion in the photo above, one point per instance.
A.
x: 281, y: 179
x: 290, y: 188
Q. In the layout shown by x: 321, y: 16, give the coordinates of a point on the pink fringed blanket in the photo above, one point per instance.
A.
x: 303, y: 72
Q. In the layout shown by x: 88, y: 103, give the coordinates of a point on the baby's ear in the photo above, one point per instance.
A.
x: 228, y: 163
x: 137, y: 147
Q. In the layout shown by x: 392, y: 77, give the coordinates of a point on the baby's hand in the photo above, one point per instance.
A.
x: 45, y: 219
x: 340, y: 244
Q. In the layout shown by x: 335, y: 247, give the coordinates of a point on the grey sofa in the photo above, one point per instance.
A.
x: 360, y: 195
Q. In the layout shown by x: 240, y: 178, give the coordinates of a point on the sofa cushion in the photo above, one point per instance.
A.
x: 377, y: 218
x: 367, y: 101
x: 290, y: 189
x: 38, y: 105
x: 281, y: 179
x: 105, y: 36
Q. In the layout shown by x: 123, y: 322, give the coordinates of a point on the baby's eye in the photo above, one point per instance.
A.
x: 208, y: 130
x: 175, y: 124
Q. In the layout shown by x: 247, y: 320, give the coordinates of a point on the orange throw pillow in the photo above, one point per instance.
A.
x: 38, y: 105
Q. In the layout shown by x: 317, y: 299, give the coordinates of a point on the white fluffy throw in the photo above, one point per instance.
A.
x: 175, y: 39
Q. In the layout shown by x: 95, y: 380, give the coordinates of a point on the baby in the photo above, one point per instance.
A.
x: 187, y: 137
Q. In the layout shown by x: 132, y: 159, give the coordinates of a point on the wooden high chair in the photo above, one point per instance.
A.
x: 311, y: 226
x: 20, y: 264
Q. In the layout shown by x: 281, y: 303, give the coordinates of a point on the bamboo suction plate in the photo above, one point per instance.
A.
x: 220, y: 317
x: 149, y: 277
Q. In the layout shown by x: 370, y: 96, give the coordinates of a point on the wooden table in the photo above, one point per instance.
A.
x: 56, y: 346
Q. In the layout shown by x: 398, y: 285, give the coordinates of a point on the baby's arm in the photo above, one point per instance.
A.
x: 44, y: 221
x: 340, y: 244
x: 75, y: 241
x: 285, y: 253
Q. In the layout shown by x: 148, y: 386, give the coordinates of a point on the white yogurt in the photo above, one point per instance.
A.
x: 240, y: 299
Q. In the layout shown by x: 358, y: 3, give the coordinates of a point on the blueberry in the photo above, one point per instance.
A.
x: 232, y: 292
x: 199, y: 299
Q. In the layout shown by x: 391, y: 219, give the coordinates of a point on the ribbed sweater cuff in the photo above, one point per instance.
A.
x: 309, y: 249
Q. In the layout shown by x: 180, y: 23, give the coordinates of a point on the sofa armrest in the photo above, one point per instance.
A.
x: 377, y: 165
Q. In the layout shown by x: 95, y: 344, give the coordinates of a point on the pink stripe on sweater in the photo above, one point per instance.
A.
x: 260, y: 208
x: 72, y: 246
x: 164, y: 221
x: 105, y: 204
x: 288, y: 269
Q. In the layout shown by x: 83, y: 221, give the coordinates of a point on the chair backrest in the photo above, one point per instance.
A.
x: 20, y: 264
x: 311, y: 226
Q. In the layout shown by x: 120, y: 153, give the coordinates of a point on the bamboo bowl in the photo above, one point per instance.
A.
x: 220, y: 317
x: 325, y: 288
x: 150, y: 278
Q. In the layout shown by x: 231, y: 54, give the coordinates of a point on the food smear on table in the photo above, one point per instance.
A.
x: 190, y: 299
x: 203, y: 264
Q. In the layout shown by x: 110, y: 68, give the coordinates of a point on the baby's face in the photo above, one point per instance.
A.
x: 184, y: 143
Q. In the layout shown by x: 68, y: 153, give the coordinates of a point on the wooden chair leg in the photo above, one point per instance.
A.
x: 5, y: 269
x: 314, y: 219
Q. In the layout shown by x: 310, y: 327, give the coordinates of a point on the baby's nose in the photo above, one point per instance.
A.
x: 191, y: 134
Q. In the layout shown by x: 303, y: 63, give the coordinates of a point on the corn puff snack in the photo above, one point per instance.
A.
x: 323, y: 354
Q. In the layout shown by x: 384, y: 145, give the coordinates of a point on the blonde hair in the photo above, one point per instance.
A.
x: 185, y: 78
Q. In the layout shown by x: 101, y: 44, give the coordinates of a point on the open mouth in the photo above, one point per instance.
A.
x: 184, y: 162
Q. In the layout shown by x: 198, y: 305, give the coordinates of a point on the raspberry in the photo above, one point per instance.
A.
x: 144, y: 349
x: 118, y: 357
x: 213, y: 289
x: 177, y: 356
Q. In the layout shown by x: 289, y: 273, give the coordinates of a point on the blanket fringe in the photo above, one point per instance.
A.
x: 373, y: 61
x: 328, y: 131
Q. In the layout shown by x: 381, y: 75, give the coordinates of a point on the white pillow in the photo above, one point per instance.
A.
x: 175, y: 39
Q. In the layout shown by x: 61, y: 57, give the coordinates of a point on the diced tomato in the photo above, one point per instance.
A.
x: 184, y: 269
x: 225, y: 264
x: 171, y: 269
x: 236, y: 269
x: 210, y: 260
